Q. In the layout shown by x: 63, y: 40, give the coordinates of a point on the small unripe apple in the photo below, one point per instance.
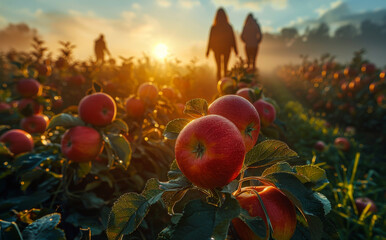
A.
x: 226, y: 85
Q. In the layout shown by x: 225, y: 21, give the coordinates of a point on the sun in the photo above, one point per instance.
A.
x: 161, y: 51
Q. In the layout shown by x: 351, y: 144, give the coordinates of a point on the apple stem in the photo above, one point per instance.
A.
x: 199, y: 150
x: 249, y: 129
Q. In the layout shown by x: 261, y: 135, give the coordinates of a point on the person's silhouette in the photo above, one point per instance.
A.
x: 100, y: 49
x: 221, y: 42
x: 252, y: 37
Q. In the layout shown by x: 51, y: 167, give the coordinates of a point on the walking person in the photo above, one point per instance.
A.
x: 251, y: 36
x: 100, y: 49
x: 221, y: 41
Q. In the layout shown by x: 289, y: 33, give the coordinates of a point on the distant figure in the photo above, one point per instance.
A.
x: 251, y: 36
x: 221, y: 41
x: 100, y: 49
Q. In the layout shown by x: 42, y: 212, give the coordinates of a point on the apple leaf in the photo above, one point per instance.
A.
x: 229, y: 210
x: 44, y: 228
x: 315, y: 174
x: 130, y: 209
x: 256, y: 224
x: 121, y: 147
x: 278, y: 167
x: 9, y: 230
x: 197, y: 221
x: 64, y: 120
x: 28, y: 161
x: 269, y: 152
x: 174, y: 127
x: 126, y: 215
x: 117, y: 126
x: 82, y: 169
x: 196, y: 107
x: 4, y: 150
x: 174, y: 172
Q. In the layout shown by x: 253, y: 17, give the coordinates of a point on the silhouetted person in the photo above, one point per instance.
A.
x: 221, y: 41
x: 100, y: 49
x: 251, y: 36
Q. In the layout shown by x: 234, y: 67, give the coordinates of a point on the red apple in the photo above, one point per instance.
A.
x: 148, y: 92
x: 57, y: 102
x: 18, y: 141
x: 210, y: 151
x: 4, y: 107
x: 362, y: 202
x: 180, y: 107
x: 342, y: 143
x: 241, y: 113
x: 226, y: 85
x: 266, y: 112
x: 320, y: 146
x: 246, y: 93
x: 29, y: 87
x: 350, y: 72
x: 28, y: 107
x: 76, y: 80
x: 44, y: 69
x: 98, y: 109
x: 135, y: 107
x: 280, y: 210
x: 368, y: 68
x: 35, y: 123
x: 169, y: 93
x: 81, y: 144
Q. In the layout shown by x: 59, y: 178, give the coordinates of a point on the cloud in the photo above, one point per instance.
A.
x: 18, y: 36
x: 189, y: 3
x: 338, y: 14
x: 136, y: 6
x: 164, y: 3
x: 256, y: 5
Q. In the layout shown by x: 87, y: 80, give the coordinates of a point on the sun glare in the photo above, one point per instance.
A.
x: 161, y: 51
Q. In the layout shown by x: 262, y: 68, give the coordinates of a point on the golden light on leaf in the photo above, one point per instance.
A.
x: 160, y: 51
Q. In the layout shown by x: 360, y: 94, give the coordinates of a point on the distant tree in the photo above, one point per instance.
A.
x: 370, y: 29
x: 321, y: 33
x: 289, y: 33
x: 348, y: 31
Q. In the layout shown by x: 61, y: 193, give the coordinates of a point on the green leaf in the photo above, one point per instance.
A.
x: 9, y: 230
x: 326, y: 203
x: 197, y: 221
x: 256, y: 224
x: 174, y: 172
x: 229, y: 210
x: 269, y: 152
x: 117, y: 126
x: 121, y: 148
x: 174, y: 127
x: 152, y: 191
x: 126, y: 215
x: 91, y: 200
x: 170, y: 198
x: 4, y: 150
x: 29, y: 161
x: 176, y: 184
x: 278, y: 167
x: 44, y: 228
x: 196, y: 107
x: 301, y: 196
x: 64, y: 120
x: 130, y: 210
x: 315, y: 174
x: 82, y: 169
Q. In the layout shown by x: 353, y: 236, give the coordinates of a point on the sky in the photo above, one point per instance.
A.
x: 132, y: 28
